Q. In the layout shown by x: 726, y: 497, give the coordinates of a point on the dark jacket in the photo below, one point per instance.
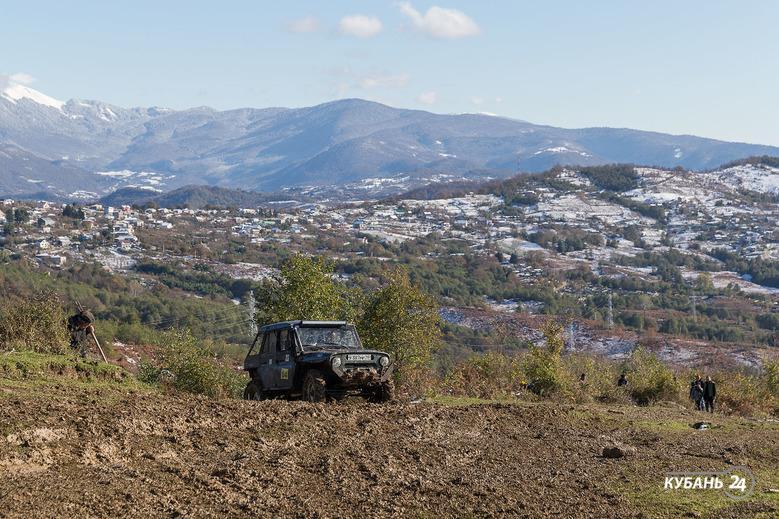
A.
x: 709, y: 390
x: 696, y: 390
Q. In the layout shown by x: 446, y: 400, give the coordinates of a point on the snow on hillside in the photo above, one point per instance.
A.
x: 762, y: 179
x: 16, y: 92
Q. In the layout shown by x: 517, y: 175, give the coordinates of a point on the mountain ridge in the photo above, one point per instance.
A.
x: 331, y: 144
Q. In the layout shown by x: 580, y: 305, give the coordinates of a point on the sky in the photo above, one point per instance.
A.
x: 702, y: 67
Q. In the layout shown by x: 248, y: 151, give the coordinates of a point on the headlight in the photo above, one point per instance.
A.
x: 384, y: 361
x: 336, y: 362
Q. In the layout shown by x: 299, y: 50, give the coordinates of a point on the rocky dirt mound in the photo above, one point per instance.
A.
x: 68, y: 452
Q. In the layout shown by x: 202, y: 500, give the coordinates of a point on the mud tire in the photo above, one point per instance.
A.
x: 253, y: 391
x: 384, y: 393
x: 314, y: 387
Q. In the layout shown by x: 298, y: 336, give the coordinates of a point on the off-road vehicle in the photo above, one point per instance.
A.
x: 316, y: 361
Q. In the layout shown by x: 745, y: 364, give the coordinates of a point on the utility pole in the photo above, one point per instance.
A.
x: 694, y: 311
x: 252, y: 311
x: 572, y: 335
x: 610, y: 315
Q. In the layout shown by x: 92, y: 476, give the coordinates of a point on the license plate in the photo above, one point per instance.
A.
x: 358, y: 358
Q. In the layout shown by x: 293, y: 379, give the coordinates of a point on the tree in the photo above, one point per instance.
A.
x: 403, y: 321
x: 74, y: 212
x: 704, y: 283
x: 21, y: 215
x: 303, y: 289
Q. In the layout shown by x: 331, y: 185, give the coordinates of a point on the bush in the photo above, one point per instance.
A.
x: 741, y: 394
x: 486, y: 376
x: 770, y: 377
x: 542, y: 367
x: 650, y: 379
x: 601, y: 380
x: 35, y: 324
x: 188, y: 366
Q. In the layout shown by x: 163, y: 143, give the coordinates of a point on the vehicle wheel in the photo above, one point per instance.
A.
x: 314, y: 387
x: 384, y: 393
x: 253, y: 392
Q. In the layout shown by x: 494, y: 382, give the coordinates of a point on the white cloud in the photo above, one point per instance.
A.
x: 441, y: 22
x: 303, y: 25
x: 383, y: 81
x: 360, y: 26
x: 20, y: 78
x: 428, y: 98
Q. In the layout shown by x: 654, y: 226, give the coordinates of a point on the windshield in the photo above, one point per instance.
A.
x: 329, y: 337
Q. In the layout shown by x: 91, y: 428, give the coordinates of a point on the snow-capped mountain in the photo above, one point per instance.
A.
x: 77, y: 148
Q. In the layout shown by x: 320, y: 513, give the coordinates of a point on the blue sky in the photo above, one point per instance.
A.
x: 708, y: 68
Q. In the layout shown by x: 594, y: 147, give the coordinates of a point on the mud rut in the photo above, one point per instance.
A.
x: 76, y: 453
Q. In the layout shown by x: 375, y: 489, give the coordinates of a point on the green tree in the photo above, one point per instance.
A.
x: 403, y: 321
x: 303, y: 289
x: 73, y: 211
x: 704, y: 283
x: 21, y: 215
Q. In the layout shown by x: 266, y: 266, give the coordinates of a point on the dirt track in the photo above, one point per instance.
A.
x: 75, y: 452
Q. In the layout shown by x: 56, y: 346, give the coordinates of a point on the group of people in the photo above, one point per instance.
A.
x: 703, y: 393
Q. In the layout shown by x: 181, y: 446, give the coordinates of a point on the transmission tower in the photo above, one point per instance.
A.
x: 610, y: 315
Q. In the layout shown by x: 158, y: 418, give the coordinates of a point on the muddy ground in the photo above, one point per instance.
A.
x: 80, y: 451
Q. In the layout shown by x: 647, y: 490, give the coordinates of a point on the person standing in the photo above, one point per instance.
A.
x: 709, y: 394
x: 696, y: 392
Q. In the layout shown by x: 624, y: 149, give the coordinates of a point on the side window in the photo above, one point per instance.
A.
x: 270, y: 342
x: 283, y: 340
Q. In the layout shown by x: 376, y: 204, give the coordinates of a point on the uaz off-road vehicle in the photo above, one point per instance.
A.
x: 315, y: 360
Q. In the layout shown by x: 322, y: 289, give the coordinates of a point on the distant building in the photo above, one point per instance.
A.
x: 52, y: 260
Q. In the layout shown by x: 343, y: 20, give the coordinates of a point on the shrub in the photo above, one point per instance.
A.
x: 486, y: 376
x: 770, y: 377
x: 542, y: 367
x: 650, y: 379
x: 741, y: 394
x: 35, y: 323
x: 601, y: 379
x: 188, y: 366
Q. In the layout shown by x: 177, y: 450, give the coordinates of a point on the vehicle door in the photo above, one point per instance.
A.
x: 285, y: 359
x: 267, y: 359
x: 253, y: 357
